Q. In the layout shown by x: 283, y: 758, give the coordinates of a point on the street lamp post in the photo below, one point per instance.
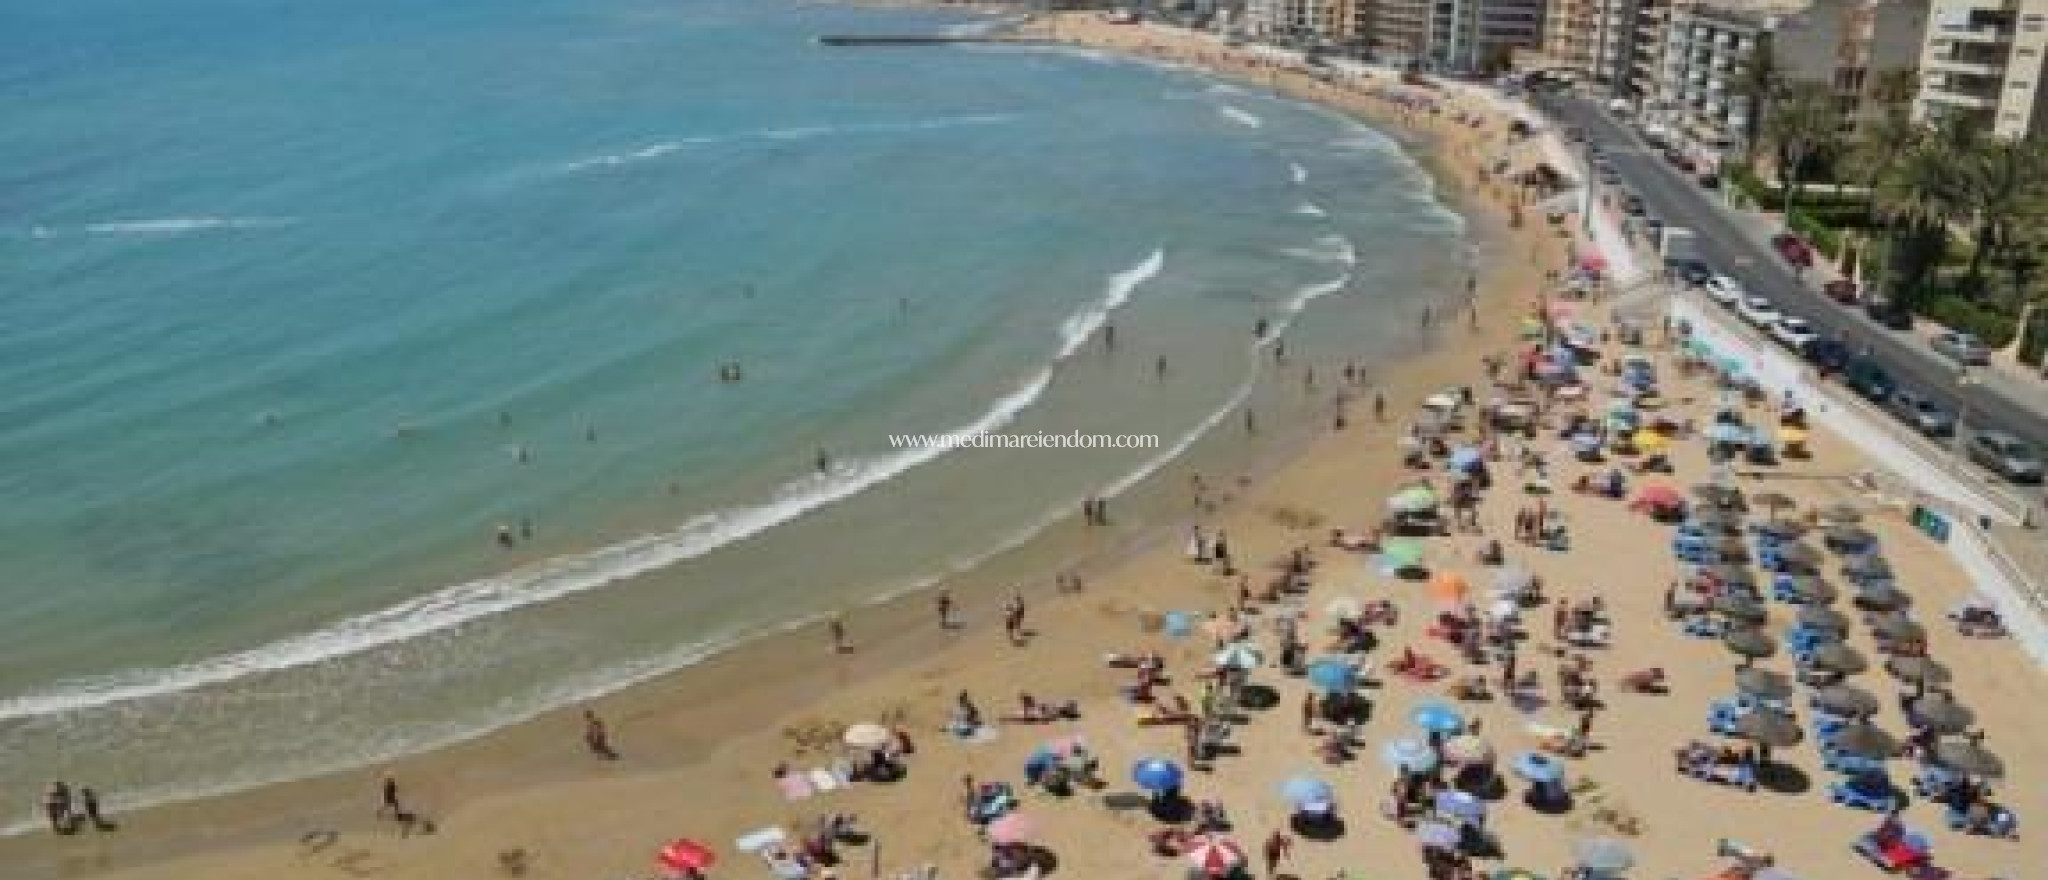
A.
x: 1965, y: 382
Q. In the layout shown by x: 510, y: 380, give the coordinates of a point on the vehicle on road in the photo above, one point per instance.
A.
x: 1692, y: 272
x: 1921, y: 413
x: 1841, y: 290
x: 2005, y: 455
x: 1793, y: 333
x: 1725, y: 290
x: 1829, y: 356
x: 1759, y: 312
x: 1868, y: 378
x: 1632, y: 204
x: 1794, y: 249
x: 1709, y: 180
x: 1963, y: 348
x: 1888, y: 314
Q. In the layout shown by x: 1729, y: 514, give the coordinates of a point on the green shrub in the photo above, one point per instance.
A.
x: 1825, y: 238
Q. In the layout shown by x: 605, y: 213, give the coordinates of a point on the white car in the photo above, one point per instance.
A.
x: 1758, y: 311
x: 1725, y: 290
x: 1793, y: 333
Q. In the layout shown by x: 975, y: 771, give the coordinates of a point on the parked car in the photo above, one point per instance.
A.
x: 1725, y: 290
x: 1709, y: 180
x: 1794, y: 249
x: 1829, y: 356
x: 1793, y: 333
x: 1633, y: 204
x: 1865, y: 376
x: 1610, y: 177
x: 1922, y: 413
x: 2006, y: 455
x: 1888, y: 314
x: 1758, y: 311
x: 1963, y: 348
x: 1692, y: 272
x: 1842, y: 290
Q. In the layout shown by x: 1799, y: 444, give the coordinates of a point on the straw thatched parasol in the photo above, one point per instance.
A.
x: 1842, y: 699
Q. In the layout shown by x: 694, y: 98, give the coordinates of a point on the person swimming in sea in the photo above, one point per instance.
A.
x: 823, y: 461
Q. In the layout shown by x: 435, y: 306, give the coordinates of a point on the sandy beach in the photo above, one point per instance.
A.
x: 696, y: 748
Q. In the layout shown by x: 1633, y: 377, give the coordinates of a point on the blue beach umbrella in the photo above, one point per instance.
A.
x: 1331, y: 675
x: 1465, y: 458
x: 1726, y: 433
x: 1179, y: 624
x: 1304, y: 790
x: 1156, y: 774
x: 1585, y: 442
x: 1437, y: 718
x: 1460, y: 805
x: 1538, y: 767
x: 1238, y: 655
x: 1437, y: 834
x: 1408, y: 756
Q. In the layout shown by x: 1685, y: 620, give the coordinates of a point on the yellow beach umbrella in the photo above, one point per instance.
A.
x: 1651, y: 441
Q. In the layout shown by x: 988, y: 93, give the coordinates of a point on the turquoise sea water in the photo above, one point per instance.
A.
x: 301, y: 300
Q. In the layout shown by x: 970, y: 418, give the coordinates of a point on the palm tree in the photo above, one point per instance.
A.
x: 1918, y: 198
x: 2002, y: 181
x: 1805, y: 122
x: 1760, y: 83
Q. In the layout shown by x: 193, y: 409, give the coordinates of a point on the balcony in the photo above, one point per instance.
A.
x: 1939, y: 95
x: 1993, y: 36
x: 1968, y: 68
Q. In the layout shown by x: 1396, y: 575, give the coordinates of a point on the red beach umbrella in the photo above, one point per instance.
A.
x: 1216, y: 856
x: 686, y: 855
x: 1659, y: 497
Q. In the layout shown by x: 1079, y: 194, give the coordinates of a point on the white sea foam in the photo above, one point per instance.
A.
x: 1225, y: 89
x: 663, y: 148
x: 1298, y: 173
x: 1311, y: 209
x: 1240, y: 116
x: 1328, y: 249
x: 164, y: 226
x: 553, y: 579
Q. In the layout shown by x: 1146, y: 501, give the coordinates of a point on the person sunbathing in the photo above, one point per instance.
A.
x: 1179, y: 713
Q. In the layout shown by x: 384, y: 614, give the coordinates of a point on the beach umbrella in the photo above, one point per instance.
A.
x: 1650, y: 441
x: 1762, y: 684
x: 1727, y: 434
x: 1408, y: 756
x: 1918, y: 670
x: 1715, y: 493
x: 867, y: 736
x: 1436, y: 717
x: 1345, y: 608
x: 1728, y: 573
x: 1512, y: 582
x: 1460, y: 805
x: 1215, y: 856
x: 1238, y: 655
x: 1467, y: 749
x: 1332, y: 675
x: 1300, y: 790
x: 1659, y: 497
x: 1864, y: 740
x: 1882, y: 598
x: 1869, y: 565
x: 686, y: 855
x: 1837, y: 658
x: 1798, y: 555
x: 1739, y: 608
x: 1843, y: 534
x: 1840, y: 513
x: 1466, y: 458
x: 1603, y: 854
x: 1156, y: 774
x: 1774, y: 501
x: 1822, y: 617
x: 1447, y: 588
x: 1939, y: 712
x: 1899, y: 628
x: 1414, y: 499
x: 1842, y: 699
x: 1437, y: 835
x: 1585, y: 444
x: 1178, y: 624
x: 1810, y: 588
x: 1731, y: 546
x: 1772, y: 729
x: 1538, y: 767
x: 1749, y: 643
x: 1012, y: 827
x: 1401, y: 553
x: 1782, y: 528
x: 1968, y: 756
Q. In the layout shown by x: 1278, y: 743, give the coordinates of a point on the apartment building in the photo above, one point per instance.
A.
x: 1330, y: 23
x: 1982, y: 61
x: 1700, y: 88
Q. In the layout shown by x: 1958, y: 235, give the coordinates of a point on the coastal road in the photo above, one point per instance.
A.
x: 1745, y: 254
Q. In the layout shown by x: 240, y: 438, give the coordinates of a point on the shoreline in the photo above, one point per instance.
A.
x: 462, y: 779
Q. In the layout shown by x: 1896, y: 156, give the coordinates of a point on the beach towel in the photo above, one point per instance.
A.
x: 795, y: 786
x: 824, y: 780
x: 760, y: 839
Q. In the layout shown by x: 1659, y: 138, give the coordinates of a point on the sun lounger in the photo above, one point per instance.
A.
x: 1865, y: 791
x: 760, y: 839
x: 1999, y: 821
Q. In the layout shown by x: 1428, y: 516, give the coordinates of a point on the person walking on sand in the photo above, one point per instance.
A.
x: 57, y: 807
x: 596, y: 738
x: 944, y: 601
x: 391, y: 807
x: 837, y: 626
x: 1013, y: 618
x: 1379, y: 406
x: 89, y: 805
x: 1278, y: 846
x: 1308, y: 712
